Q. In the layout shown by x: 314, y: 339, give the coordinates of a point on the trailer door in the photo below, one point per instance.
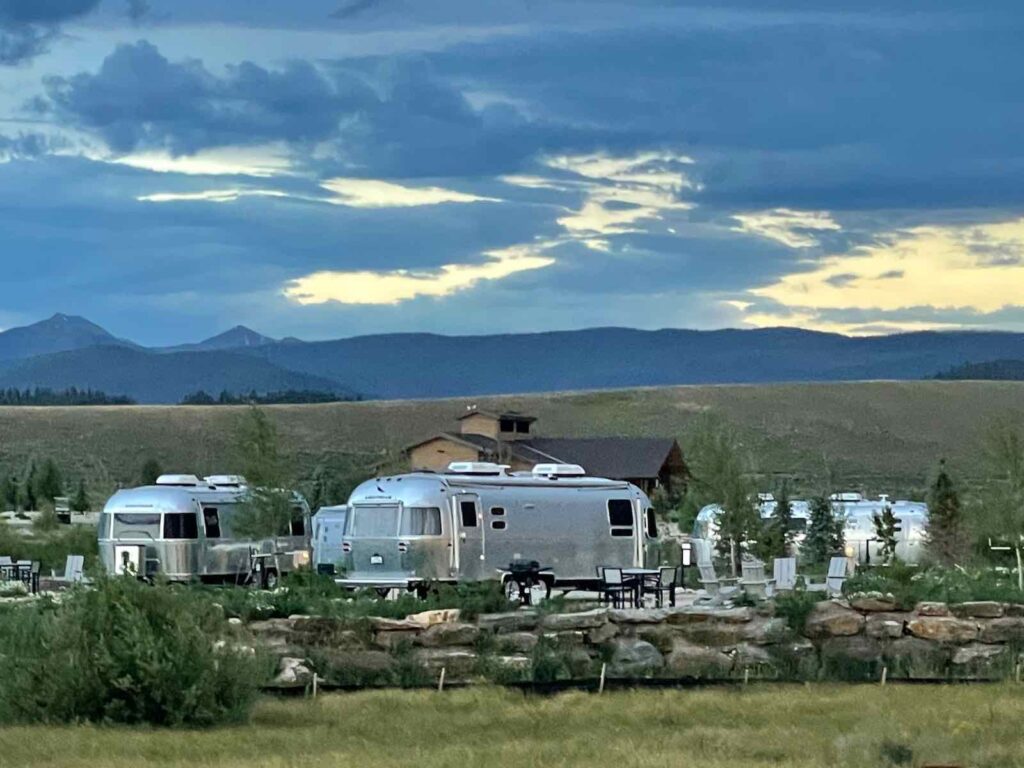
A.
x: 471, y: 546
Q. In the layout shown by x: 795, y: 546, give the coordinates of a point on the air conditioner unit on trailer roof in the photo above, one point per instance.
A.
x: 559, y: 470
x: 476, y: 468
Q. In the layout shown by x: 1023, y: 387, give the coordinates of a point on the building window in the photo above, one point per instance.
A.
x: 652, y: 524
x: 468, y: 510
x: 181, y: 525
x: 498, y: 525
x: 297, y: 525
x: 498, y: 511
x: 620, y: 517
x: 523, y: 427
x: 211, y: 521
x: 507, y: 425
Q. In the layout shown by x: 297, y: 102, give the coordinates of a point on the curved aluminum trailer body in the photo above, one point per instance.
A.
x: 409, y: 529
x: 184, y: 533
x: 328, y: 531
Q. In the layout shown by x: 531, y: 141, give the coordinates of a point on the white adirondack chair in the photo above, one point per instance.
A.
x: 784, y: 571
x: 837, y: 572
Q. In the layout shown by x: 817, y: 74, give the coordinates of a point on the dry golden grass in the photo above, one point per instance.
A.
x: 765, y: 725
x: 879, y: 435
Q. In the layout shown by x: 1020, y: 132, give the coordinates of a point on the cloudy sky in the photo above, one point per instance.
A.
x: 327, y: 168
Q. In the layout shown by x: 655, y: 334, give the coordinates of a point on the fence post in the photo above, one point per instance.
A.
x: 604, y: 670
x: 885, y: 675
x: 440, y: 681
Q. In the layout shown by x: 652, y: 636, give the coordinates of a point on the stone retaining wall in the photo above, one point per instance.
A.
x: 842, y: 640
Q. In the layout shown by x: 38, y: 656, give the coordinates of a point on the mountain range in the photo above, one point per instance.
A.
x: 66, y: 351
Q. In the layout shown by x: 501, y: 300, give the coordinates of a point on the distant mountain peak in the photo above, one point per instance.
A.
x: 239, y: 336
x: 57, y: 333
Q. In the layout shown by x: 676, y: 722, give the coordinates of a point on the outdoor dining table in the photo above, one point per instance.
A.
x: 637, y: 578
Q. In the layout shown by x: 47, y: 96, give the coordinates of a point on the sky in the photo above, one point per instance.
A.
x: 331, y: 168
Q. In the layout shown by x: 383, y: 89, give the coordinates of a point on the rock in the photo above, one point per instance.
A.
x: 566, y: 639
x: 430, y: 618
x: 932, y: 609
x: 234, y: 621
x: 943, y: 629
x: 748, y: 656
x: 602, y: 634
x: 851, y: 657
x: 1005, y: 630
x: 978, y: 660
x: 458, y: 663
x: 688, y: 660
x: 517, y: 662
x: 637, y: 615
x: 438, y: 635
x: 765, y: 631
x: 712, y: 633
x: 981, y: 609
x: 306, y: 631
x: 518, y: 642
x: 660, y: 636
x: 883, y: 626
x: 830, y: 619
x: 872, y: 602
x: 394, y: 625
x: 795, y: 659
x: 518, y: 621
x: 357, y: 667
x: 292, y: 672
x: 560, y: 622
x: 1014, y: 609
x: 916, y: 659
x: 631, y: 657
x: 693, y: 615
x: 393, y: 639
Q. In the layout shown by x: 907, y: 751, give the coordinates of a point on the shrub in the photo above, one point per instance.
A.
x: 51, y: 548
x: 795, y: 607
x: 911, y: 585
x: 125, y: 652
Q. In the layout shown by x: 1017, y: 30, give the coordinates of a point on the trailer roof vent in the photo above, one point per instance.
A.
x: 186, y: 481
x: 559, y: 470
x: 851, y: 496
x: 227, y: 481
x: 476, y: 468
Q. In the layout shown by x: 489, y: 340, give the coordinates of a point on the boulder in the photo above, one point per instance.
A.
x: 518, y: 642
x: 638, y: 615
x: 437, y: 635
x: 381, y: 624
x: 712, y: 633
x: 357, y: 667
x: 517, y: 662
x: 688, y: 660
x: 872, y: 602
x: 1005, y: 630
x: 755, y: 657
x: 765, y: 631
x: 831, y: 619
x: 883, y: 626
x: 691, y: 615
x: 305, y: 631
x: 392, y: 639
x: 631, y: 657
x: 518, y: 621
x: 660, y: 636
x: 561, y: 622
x: 916, y: 659
x: 981, y: 661
x: 980, y: 609
x: 851, y: 657
x: 797, y: 658
x: 430, y: 618
x: 292, y: 672
x: 458, y: 663
x: 931, y: 609
x: 943, y: 629
x: 1014, y: 609
x: 602, y: 634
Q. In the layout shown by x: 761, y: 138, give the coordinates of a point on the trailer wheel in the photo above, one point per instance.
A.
x: 270, y: 579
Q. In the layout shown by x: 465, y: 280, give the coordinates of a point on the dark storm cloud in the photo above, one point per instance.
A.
x: 28, y: 27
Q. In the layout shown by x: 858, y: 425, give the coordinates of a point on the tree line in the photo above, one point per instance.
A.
x: 282, y: 397
x: 39, y: 487
x: 69, y: 396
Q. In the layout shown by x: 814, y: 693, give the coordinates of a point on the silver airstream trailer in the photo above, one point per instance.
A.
x: 473, y: 521
x: 857, y: 513
x: 180, y: 528
x: 328, y: 531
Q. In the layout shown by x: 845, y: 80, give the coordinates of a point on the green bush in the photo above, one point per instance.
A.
x: 125, y: 652
x: 910, y: 585
x: 51, y: 548
x: 795, y: 607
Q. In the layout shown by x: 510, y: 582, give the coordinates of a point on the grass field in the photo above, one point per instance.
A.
x: 812, y: 726
x: 879, y: 436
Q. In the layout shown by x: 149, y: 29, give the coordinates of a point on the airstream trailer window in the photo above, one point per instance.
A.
x: 211, y: 521
x: 468, y: 509
x: 620, y: 517
x: 373, y: 522
x: 652, y: 524
x: 498, y: 525
x: 181, y: 525
x: 298, y: 523
x: 136, y: 525
x: 421, y: 521
x: 497, y: 511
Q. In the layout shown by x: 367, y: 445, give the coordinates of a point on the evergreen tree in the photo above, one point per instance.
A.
x: 885, y: 531
x: 150, y: 471
x: 783, y: 521
x: 49, y: 483
x: 947, y: 536
x: 9, y: 493
x: 820, y: 541
x: 80, y: 501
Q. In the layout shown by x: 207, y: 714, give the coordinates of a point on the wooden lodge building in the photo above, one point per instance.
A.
x: 506, y: 438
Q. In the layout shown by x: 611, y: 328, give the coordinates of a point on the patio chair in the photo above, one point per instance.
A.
x: 754, y: 582
x: 701, y: 551
x: 614, y: 588
x: 833, y: 584
x: 716, y: 590
x: 7, y: 569
x: 784, y: 571
x: 668, y: 582
x: 73, y: 569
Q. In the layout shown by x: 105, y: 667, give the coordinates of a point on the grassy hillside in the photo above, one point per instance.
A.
x: 877, y: 436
